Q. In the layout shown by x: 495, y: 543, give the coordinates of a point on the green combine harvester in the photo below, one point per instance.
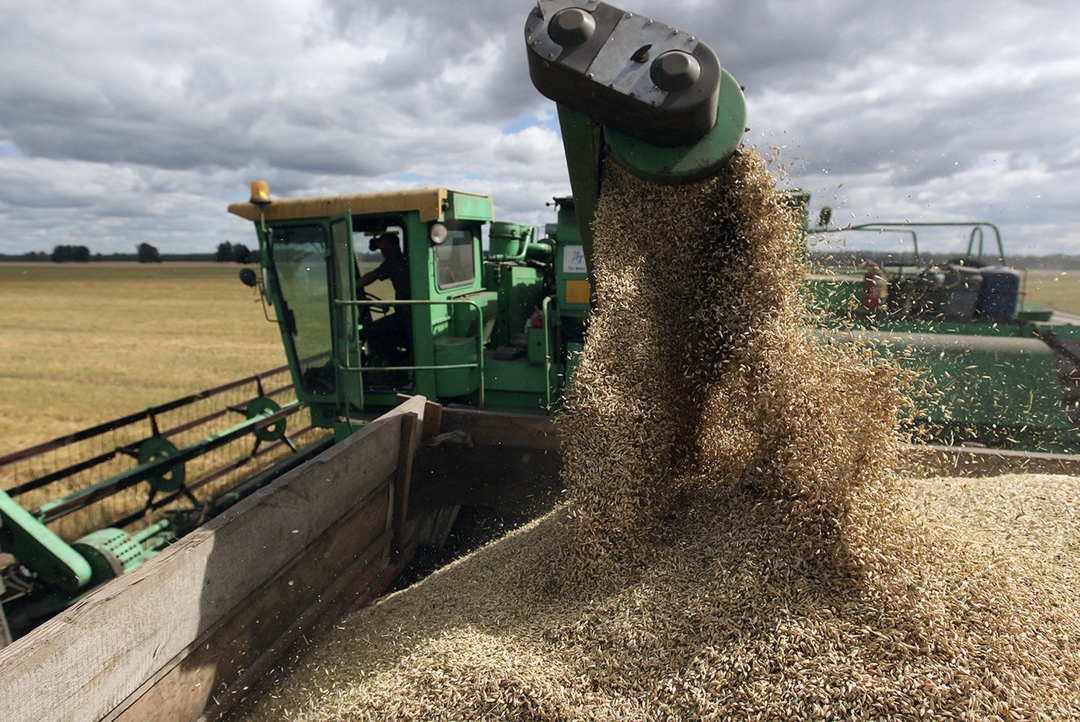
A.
x: 498, y: 329
x: 495, y: 330
x: 994, y: 372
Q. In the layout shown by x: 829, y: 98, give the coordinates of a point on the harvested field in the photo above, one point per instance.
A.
x: 81, y: 344
x: 739, y: 541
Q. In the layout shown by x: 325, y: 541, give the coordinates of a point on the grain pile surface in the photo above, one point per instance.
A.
x: 737, y: 543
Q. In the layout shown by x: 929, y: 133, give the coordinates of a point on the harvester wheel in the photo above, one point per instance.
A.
x: 263, y: 406
x: 172, y: 478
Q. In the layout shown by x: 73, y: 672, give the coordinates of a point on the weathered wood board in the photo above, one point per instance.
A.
x: 166, y: 640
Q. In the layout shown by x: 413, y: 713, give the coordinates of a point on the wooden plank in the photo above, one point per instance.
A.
x: 84, y: 663
x: 501, y: 429
x: 432, y: 420
x: 358, y: 586
x: 432, y: 416
x: 411, y: 430
x: 206, y: 673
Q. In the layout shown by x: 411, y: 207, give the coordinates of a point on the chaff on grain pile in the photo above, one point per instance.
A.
x: 734, y: 547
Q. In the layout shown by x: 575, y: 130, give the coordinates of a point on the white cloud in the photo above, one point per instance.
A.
x: 532, y: 147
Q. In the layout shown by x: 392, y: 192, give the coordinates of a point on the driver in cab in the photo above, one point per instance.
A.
x: 391, y: 332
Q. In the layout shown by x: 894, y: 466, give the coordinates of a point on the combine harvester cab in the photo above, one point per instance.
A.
x: 993, y: 372
x: 494, y: 331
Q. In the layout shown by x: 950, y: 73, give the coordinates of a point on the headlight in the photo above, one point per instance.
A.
x: 438, y: 233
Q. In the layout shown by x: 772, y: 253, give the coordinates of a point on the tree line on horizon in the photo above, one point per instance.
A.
x: 144, y: 253
x: 228, y: 252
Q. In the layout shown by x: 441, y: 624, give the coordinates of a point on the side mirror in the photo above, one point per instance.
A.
x: 248, y: 277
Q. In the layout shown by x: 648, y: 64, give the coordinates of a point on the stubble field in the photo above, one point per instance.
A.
x: 82, y: 344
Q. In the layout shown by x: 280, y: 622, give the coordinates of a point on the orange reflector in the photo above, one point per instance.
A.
x: 577, y: 290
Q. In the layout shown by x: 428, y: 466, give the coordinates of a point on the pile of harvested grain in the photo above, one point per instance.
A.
x: 736, y: 543
x: 726, y: 623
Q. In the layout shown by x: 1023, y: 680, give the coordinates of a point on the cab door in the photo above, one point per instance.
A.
x: 345, y: 313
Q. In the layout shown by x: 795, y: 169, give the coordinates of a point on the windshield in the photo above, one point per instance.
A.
x: 299, y: 259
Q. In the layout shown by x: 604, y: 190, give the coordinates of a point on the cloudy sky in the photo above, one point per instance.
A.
x: 125, y: 121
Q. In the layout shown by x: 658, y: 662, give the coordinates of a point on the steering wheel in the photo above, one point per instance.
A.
x: 381, y: 309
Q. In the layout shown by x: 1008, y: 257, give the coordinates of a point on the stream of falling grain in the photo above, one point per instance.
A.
x: 737, y: 542
x: 701, y: 368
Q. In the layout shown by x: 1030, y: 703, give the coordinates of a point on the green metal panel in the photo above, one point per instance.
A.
x: 571, y: 263
x: 536, y: 345
x: 520, y: 291
x: 464, y: 316
x: 583, y: 145
x: 1058, y: 330
x: 40, y: 549
x: 513, y: 376
x: 469, y: 207
x: 456, y: 351
x: 993, y: 389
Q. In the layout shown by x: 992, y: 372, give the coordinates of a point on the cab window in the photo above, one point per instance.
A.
x: 298, y: 261
x: 455, y: 260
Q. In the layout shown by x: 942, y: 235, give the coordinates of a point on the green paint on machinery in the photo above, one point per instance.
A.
x: 992, y: 372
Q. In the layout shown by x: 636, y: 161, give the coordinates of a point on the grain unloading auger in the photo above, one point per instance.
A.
x: 652, y: 98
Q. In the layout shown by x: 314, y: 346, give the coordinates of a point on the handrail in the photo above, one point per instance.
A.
x: 997, y: 234
x: 977, y: 227
x: 873, y: 227
x: 479, y: 365
x: 546, y: 314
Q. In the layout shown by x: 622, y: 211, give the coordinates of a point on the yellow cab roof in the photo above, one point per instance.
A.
x: 427, y: 201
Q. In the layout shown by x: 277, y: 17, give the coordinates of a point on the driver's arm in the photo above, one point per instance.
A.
x: 367, y: 279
